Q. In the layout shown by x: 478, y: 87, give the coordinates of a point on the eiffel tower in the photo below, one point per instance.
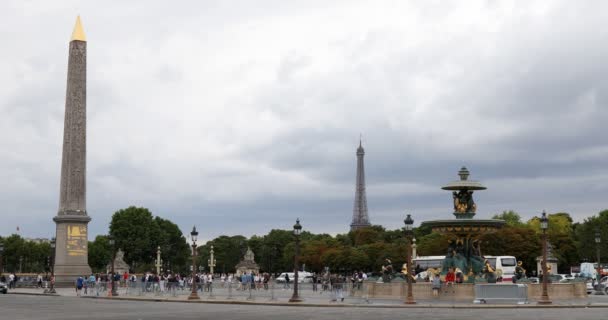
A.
x: 360, y: 216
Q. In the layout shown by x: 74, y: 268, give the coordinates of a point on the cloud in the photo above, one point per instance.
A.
x: 240, y: 117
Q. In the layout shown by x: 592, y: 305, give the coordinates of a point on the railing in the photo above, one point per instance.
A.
x: 271, y: 291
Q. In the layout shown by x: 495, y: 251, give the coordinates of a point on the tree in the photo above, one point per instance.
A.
x: 584, y: 235
x: 561, y: 237
x: 100, y: 253
x: 175, y: 250
x: 25, y: 256
x: 511, y: 218
x: 139, y: 234
x: 521, y: 242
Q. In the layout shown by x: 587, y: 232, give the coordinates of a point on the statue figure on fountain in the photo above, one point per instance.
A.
x: 476, y: 260
x: 463, y: 201
x: 460, y: 260
x: 448, y: 262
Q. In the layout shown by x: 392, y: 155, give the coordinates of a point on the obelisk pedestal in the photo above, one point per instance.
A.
x: 71, y: 255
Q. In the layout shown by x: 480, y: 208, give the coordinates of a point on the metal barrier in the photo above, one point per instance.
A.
x: 501, y: 293
x: 273, y: 291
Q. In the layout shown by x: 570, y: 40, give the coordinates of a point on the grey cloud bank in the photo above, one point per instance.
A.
x: 240, y: 117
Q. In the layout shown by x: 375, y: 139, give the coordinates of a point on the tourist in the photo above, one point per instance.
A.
x: 336, y: 285
x: 436, y: 284
x: 266, y: 279
x: 450, y: 277
x: 286, y: 284
x: 79, y: 284
x: 11, y: 279
x: 459, y: 276
x: 125, y: 278
x: 209, y: 282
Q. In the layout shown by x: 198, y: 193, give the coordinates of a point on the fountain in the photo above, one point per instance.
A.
x: 464, y: 248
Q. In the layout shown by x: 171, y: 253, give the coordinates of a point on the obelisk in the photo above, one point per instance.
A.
x: 71, y: 255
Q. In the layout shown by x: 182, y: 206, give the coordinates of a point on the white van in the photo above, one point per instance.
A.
x: 504, y: 265
x: 303, y: 277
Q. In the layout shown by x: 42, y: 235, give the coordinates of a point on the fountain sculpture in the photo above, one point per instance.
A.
x: 464, y: 247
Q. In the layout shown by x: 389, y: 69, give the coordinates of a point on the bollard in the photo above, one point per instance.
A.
x: 229, y: 291
x: 211, y: 296
x: 272, y: 297
x: 250, y: 296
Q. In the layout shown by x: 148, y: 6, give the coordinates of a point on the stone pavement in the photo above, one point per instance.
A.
x: 311, y: 300
x: 34, y: 307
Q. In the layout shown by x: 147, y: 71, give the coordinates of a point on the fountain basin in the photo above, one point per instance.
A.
x: 465, y: 227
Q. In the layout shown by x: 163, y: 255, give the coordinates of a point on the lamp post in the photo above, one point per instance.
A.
x: 297, y: 230
x: 409, y: 233
x: 193, y: 295
x: 158, y: 261
x: 1, y: 258
x: 52, y: 263
x: 544, y: 225
x: 113, y: 293
x: 598, y: 240
x: 211, y: 261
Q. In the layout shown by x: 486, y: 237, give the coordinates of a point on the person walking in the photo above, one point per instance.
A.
x: 11, y: 280
x: 286, y: 285
x: 314, y: 282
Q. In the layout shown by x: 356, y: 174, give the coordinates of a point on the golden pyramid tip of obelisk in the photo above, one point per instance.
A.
x: 78, y: 33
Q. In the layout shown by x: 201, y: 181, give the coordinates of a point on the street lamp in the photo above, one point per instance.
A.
x: 1, y: 258
x: 598, y: 240
x: 211, y: 261
x: 544, y: 225
x: 159, y: 261
x: 112, y: 242
x: 52, y: 263
x: 409, y: 234
x: 297, y: 230
x: 193, y: 295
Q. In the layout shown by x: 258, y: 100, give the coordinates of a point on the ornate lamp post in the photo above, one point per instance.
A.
x: 1, y: 258
x: 598, y: 241
x: 544, y: 225
x: 211, y: 261
x: 193, y: 295
x: 297, y: 230
x: 52, y: 263
x: 409, y: 234
x: 113, y: 293
x: 159, y: 261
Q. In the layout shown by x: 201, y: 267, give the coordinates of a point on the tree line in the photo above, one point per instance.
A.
x: 138, y: 233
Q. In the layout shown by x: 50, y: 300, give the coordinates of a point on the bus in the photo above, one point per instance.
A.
x: 503, y: 265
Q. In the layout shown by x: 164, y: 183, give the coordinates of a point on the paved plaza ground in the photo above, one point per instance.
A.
x: 13, y: 306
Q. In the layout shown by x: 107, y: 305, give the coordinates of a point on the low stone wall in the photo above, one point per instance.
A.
x: 557, y: 291
x: 465, y: 291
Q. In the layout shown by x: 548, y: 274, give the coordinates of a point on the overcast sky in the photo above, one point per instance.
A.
x: 240, y: 117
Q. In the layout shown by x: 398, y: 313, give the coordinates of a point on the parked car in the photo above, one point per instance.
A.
x: 303, y: 276
x: 3, y: 288
x: 534, y: 279
x: 603, y: 285
x: 590, y: 287
x: 562, y: 278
